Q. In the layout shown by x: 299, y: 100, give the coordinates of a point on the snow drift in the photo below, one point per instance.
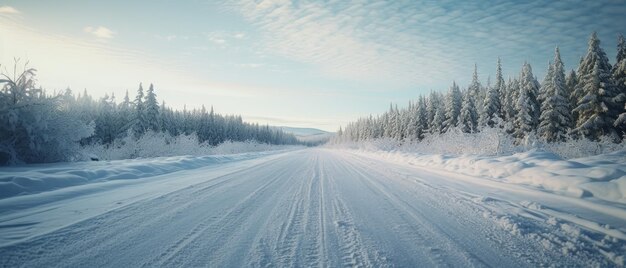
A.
x: 601, y: 176
x: 31, y: 179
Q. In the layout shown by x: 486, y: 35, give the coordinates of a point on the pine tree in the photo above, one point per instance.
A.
x: 396, y: 124
x: 125, y: 116
x: 598, y: 108
x: 421, y: 115
x: 527, y: 106
x: 152, y: 110
x: 453, y: 104
x: 508, y: 102
x: 410, y: 132
x: 105, y: 123
x: 431, y: 108
x: 437, y: 125
x: 389, y: 119
x: 468, y: 118
x: 139, y: 128
x: 434, y: 105
x: 492, y: 107
x: 546, y: 84
x: 555, y: 119
x: 619, y: 75
x: 571, y: 80
x: 621, y: 48
x: 475, y: 89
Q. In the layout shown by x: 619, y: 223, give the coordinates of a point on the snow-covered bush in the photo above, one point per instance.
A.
x: 157, y: 144
x: 35, y: 128
x: 488, y: 142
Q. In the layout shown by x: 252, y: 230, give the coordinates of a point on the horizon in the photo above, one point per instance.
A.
x: 308, y: 65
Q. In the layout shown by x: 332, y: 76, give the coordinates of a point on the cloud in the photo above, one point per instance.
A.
x: 429, y: 42
x: 100, y: 32
x: 250, y: 65
x: 218, y: 41
x: 329, y: 124
x: 8, y: 10
x: 171, y: 37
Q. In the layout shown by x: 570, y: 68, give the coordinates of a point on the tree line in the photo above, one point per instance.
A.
x: 587, y: 103
x: 36, y: 127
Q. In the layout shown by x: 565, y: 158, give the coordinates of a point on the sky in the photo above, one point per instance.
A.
x: 298, y: 63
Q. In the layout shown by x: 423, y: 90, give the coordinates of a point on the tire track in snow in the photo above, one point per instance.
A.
x: 275, y: 216
x: 503, y: 231
x: 438, y: 243
x: 310, y: 208
x: 353, y: 251
x: 292, y: 230
x: 206, y: 224
x: 86, y: 236
x: 231, y: 219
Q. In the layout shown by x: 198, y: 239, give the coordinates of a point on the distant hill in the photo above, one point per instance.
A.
x: 310, y: 135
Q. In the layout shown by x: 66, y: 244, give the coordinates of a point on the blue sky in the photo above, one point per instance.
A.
x: 298, y: 63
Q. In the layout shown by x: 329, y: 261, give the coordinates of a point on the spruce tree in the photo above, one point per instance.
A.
x: 468, y: 118
x: 571, y: 80
x: 453, y: 104
x: 598, y: 108
x: 139, y: 127
x: 475, y: 88
x: 619, y: 75
x: 152, y: 110
x: 492, y: 107
x: 508, y: 102
x: 527, y: 106
x: 421, y: 122
x: 555, y: 120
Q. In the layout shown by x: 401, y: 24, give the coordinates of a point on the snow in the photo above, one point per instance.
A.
x: 602, y: 176
x: 322, y: 207
x: 46, y: 177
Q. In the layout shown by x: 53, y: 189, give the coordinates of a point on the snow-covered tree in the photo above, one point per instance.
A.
x: 619, y: 75
x: 125, y: 115
x: 555, y: 120
x: 468, y: 118
x: 435, y: 105
x: 139, y: 127
x: 453, y: 104
x: 152, y: 110
x: 475, y: 89
x: 491, y: 108
x: 527, y: 106
x: 422, y: 118
x: 508, y: 101
x: 432, y: 104
x: 106, y: 127
x: 36, y: 128
x: 438, y: 126
x: 598, y: 107
x: 571, y: 80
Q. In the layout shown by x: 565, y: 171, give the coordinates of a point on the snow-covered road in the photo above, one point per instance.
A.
x: 311, y: 207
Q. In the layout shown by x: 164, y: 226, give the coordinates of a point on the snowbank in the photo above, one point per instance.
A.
x: 601, y: 176
x: 490, y: 141
x: 31, y: 179
x: 159, y: 144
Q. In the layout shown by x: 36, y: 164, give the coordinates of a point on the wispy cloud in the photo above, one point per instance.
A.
x: 421, y: 43
x: 251, y: 65
x: 324, y: 124
x: 100, y: 32
x: 8, y: 10
x: 171, y: 37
